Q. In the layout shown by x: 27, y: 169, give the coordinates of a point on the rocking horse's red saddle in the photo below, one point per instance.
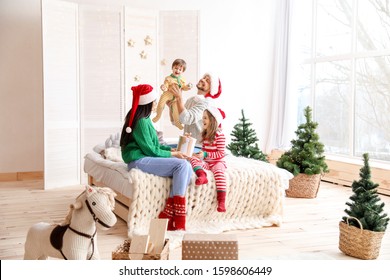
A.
x: 57, y: 236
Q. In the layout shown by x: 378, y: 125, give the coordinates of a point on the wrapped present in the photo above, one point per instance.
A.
x: 210, y: 247
x: 186, y: 145
x: 153, y: 246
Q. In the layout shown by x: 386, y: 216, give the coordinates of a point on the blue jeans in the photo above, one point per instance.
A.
x: 179, y: 170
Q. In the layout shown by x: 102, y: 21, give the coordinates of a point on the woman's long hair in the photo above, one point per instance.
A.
x: 211, y: 131
x: 143, y: 111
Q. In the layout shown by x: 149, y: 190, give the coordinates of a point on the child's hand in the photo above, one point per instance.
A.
x: 189, y: 85
x: 199, y: 155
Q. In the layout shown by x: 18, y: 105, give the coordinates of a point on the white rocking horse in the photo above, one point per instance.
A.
x: 75, y: 238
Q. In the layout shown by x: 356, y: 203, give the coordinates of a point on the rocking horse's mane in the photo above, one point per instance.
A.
x: 107, y: 191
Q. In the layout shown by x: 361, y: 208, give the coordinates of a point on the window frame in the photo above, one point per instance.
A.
x: 352, y: 58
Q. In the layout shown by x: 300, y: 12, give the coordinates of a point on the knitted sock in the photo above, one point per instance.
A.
x: 221, y: 197
x: 167, y: 213
x: 179, y: 217
x: 202, y: 177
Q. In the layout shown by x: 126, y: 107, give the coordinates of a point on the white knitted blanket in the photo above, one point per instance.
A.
x: 255, y: 195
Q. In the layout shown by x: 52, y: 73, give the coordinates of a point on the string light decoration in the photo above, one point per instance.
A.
x: 148, y: 40
x: 131, y: 43
x: 143, y: 55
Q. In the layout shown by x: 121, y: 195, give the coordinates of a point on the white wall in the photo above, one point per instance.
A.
x: 21, y: 101
x: 236, y: 42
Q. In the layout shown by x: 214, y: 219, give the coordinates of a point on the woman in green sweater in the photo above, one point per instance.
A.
x: 141, y: 149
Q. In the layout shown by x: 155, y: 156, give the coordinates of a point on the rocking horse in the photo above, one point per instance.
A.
x: 75, y: 238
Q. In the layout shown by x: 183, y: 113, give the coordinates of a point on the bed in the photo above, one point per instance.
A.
x: 255, y: 195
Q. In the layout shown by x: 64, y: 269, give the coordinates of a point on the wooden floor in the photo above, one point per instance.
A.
x: 309, y: 231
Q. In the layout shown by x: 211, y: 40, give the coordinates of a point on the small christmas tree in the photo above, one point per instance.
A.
x: 244, y: 141
x: 364, y: 205
x: 306, y: 154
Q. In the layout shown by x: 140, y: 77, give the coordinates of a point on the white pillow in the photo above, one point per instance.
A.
x: 113, y: 140
x: 113, y: 154
x: 99, y: 148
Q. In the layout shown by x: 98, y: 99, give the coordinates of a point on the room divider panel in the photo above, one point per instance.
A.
x: 92, y: 56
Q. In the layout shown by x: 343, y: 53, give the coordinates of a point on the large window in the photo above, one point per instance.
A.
x: 344, y: 73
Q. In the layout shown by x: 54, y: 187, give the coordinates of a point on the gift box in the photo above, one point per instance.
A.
x: 153, y: 246
x: 122, y: 253
x: 186, y: 145
x: 210, y: 247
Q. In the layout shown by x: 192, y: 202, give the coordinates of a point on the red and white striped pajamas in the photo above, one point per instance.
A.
x: 214, y: 160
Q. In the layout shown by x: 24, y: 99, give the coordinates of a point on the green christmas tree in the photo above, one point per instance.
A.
x: 365, y: 205
x: 306, y: 154
x: 244, y: 141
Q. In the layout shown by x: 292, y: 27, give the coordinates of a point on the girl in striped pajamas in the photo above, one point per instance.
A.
x: 211, y: 157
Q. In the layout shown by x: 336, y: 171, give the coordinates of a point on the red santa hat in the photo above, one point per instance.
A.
x: 142, y: 95
x: 215, y: 86
x: 217, y: 113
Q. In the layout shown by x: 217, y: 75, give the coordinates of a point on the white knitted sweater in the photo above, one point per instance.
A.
x: 192, y: 116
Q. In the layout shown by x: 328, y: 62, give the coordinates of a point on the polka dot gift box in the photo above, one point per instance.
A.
x: 210, y: 247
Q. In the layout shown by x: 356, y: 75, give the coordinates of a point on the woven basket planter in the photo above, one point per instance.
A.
x: 358, y: 242
x: 304, y: 186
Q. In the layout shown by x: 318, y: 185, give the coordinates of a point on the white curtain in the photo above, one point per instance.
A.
x: 283, y: 105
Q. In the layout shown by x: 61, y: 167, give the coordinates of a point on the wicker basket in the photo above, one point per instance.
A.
x: 304, y: 186
x: 122, y: 252
x: 359, y: 243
